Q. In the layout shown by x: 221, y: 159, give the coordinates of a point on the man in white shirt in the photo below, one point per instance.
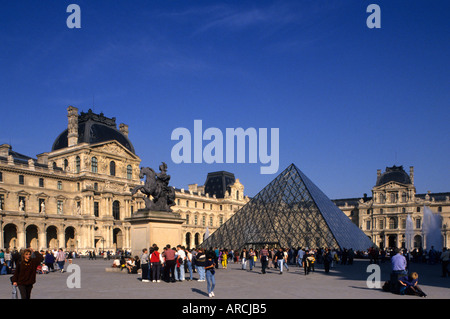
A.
x: 181, y: 257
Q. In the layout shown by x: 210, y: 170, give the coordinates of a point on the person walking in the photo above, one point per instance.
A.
x: 25, y: 274
x: 244, y: 257
x: 264, y: 259
x: 300, y: 254
x: 445, y: 256
x: 224, y: 257
x: 210, y: 274
x: 279, y: 259
x: 251, y: 258
x: 285, y: 259
x: 61, y: 259
x: 49, y: 261
x: 145, y: 265
x: 327, y: 260
x: 306, y: 262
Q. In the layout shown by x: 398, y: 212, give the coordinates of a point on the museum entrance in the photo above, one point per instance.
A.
x: 392, y: 241
x: 118, y: 239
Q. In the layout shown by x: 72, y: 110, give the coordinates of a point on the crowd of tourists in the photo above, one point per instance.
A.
x: 178, y: 264
x: 25, y: 264
x: 52, y: 260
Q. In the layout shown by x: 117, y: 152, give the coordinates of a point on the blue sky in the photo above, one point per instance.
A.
x: 348, y: 100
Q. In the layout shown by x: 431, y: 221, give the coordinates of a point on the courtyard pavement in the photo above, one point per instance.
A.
x: 343, y: 282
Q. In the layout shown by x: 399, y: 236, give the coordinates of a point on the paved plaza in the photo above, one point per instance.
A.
x: 343, y: 282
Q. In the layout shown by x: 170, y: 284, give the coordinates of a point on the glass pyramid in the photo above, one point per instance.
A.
x: 291, y: 211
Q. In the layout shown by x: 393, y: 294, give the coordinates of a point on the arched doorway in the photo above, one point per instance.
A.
x: 10, y: 236
x: 52, y: 237
x: 417, y: 241
x: 32, y: 240
x: 118, y: 238
x: 392, y: 241
x: 188, y: 240
x: 69, y: 238
x: 197, y: 239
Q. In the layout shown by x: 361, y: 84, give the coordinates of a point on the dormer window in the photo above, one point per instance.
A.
x: 94, y: 165
x: 112, y: 168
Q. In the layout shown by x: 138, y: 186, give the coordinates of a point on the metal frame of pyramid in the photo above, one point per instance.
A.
x: 291, y: 211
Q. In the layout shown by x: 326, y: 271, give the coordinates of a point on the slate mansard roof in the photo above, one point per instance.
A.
x: 94, y: 128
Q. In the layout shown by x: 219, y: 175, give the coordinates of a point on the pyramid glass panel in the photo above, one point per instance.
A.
x: 291, y: 211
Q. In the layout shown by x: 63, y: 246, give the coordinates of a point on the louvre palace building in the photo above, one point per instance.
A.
x: 78, y: 195
x: 383, y: 215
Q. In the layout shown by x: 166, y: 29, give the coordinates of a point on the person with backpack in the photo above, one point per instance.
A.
x: 200, y: 261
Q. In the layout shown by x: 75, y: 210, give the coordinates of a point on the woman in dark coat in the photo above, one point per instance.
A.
x: 25, y: 275
x: 49, y: 261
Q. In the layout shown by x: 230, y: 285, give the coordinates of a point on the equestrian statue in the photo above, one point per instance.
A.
x: 157, y: 186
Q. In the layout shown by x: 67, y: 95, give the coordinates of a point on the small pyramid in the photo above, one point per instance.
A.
x: 291, y: 211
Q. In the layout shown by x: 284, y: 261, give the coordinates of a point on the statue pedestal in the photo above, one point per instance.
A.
x: 150, y: 227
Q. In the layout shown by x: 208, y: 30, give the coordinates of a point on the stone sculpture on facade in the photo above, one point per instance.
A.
x: 157, y: 186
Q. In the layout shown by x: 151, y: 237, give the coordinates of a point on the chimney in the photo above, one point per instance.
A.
x: 123, y: 129
x: 4, y: 150
x: 72, y: 127
x: 411, y: 174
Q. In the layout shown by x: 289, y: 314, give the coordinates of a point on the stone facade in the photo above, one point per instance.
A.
x: 383, y: 216
x: 78, y: 195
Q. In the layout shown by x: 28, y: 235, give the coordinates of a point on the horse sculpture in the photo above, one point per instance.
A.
x: 157, y: 186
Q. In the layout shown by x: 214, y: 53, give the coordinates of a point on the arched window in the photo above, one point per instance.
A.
x: 112, y: 168
x: 116, y: 210
x: 94, y: 165
x: 77, y: 164
x: 66, y: 164
x: 129, y: 172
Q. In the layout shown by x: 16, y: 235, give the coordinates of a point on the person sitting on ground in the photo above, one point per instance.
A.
x: 133, y: 265
x: 116, y: 263
x: 409, y: 285
x: 44, y: 269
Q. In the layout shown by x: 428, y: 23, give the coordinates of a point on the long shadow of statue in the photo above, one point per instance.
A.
x: 157, y: 186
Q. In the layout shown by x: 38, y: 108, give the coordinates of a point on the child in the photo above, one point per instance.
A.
x: 45, y: 269
x: 224, y: 259
x: 408, y: 285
